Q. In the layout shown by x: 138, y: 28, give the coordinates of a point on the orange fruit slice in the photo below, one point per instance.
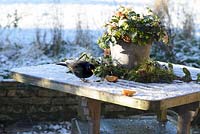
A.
x: 127, y: 92
x: 111, y: 78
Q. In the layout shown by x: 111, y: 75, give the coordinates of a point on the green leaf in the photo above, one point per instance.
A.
x: 117, y: 34
x: 186, y: 71
x: 170, y: 66
x: 198, y: 77
x: 125, y: 26
x: 114, y: 20
x: 133, y: 36
x: 113, y: 40
x: 187, y: 77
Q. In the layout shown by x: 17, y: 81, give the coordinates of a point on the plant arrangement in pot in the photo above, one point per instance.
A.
x: 129, y: 36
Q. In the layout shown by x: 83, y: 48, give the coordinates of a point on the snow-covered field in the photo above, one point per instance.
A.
x: 46, y: 14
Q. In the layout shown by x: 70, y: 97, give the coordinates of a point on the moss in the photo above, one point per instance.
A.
x: 149, y: 71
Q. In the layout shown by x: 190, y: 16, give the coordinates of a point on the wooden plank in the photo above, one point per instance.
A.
x: 153, y: 96
x: 178, y: 101
x: 94, y: 107
x: 87, y: 92
x: 162, y: 115
x: 144, y: 91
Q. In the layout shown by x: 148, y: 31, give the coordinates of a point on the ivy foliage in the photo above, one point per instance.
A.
x: 198, y: 77
x: 149, y: 71
x: 187, y: 77
x: 128, y: 26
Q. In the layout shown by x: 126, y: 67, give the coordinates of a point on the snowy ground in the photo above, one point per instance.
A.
x: 37, y: 128
x: 137, y: 124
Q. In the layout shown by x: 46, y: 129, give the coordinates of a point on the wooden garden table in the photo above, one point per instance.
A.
x: 158, y: 97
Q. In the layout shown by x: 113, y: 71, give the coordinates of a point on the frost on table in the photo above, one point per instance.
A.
x: 178, y: 70
x: 150, y: 91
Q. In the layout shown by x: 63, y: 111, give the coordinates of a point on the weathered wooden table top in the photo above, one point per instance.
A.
x: 149, y: 96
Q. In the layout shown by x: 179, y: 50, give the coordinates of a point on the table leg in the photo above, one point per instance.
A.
x: 162, y: 115
x: 186, y: 114
x: 94, y: 107
x: 184, y: 122
x: 162, y: 118
x: 90, y: 111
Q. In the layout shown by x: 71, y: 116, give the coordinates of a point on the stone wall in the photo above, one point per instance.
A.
x: 25, y: 102
x: 20, y: 101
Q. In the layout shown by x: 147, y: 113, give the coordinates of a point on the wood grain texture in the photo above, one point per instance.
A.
x: 153, y: 96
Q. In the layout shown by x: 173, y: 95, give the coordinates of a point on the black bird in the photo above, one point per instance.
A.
x: 82, y: 69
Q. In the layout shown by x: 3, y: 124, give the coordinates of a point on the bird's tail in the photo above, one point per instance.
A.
x: 66, y: 64
x: 63, y: 64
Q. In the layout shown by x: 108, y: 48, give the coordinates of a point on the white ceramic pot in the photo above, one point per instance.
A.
x: 130, y: 55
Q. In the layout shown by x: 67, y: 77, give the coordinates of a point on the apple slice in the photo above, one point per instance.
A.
x: 111, y: 78
x: 128, y: 92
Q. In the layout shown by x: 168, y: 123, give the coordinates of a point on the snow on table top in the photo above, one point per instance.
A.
x: 150, y: 91
x: 178, y: 70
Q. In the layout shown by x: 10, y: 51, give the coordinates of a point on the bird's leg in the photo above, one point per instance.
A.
x: 69, y: 71
x: 84, y: 80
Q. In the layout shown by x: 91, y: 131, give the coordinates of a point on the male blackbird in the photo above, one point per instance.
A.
x: 82, y: 69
